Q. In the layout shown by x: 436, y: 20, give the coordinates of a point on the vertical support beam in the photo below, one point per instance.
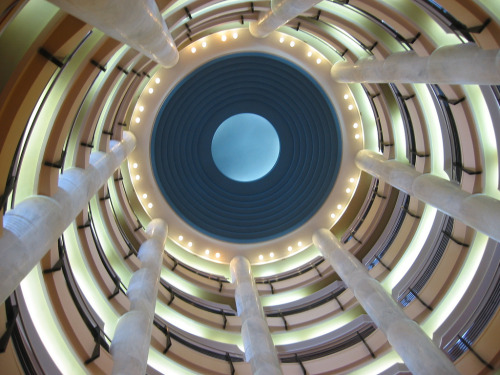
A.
x: 260, y: 351
x: 136, y: 23
x: 478, y: 211
x: 37, y: 222
x: 406, y: 337
x: 281, y: 12
x: 457, y: 64
x: 130, y: 345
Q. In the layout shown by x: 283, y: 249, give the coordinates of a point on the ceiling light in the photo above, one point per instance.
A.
x: 261, y: 257
x: 207, y: 251
x: 299, y: 243
x: 204, y: 44
x: 309, y: 54
x: 217, y: 255
x: 150, y: 205
x: 348, y: 190
x: 355, y: 125
x: 181, y: 238
x: 292, y: 44
x: 318, y: 61
x: 350, y: 107
x: 137, y: 177
x: 271, y: 254
x: 235, y: 35
x: 224, y: 38
x: 193, y: 49
x: 157, y: 80
x: 144, y: 195
x: 356, y: 136
x: 346, y: 96
x: 339, y: 206
x: 332, y: 216
x: 282, y: 40
x: 289, y: 248
x: 135, y: 165
x: 150, y: 90
x: 141, y: 108
x: 190, y: 244
x: 351, y: 180
x: 137, y: 120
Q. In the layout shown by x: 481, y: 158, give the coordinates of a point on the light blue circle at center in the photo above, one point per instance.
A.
x: 245, y: 147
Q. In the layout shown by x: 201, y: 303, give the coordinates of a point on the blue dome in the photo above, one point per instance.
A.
x: 287, y: 196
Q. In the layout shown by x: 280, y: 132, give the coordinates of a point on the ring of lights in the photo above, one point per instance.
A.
x: 305, y: 171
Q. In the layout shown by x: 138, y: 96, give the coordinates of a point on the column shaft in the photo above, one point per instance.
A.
x: 37, y: 222
x: 132, y: 337
x: 136, y: 23
x: 260, y: 351
x: 457, y: 64
x: 406, y: 337
x: 281, y: 12
x: 478, y: 211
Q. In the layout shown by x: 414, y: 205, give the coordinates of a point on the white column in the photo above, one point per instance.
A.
x: 136, y: 23
x: 478, y: 211
x: 130, y: 345
x: 406, y: 337
x: 37, y: 222
x: 260, y: 351
x: 281, y: 12
x: 457, y: 64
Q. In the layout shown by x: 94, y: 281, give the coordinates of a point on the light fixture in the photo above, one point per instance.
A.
x: 355, y: 125
x: 135, y: 165
x: 150, y: 205
x: 235, y: 35
x: 193, y: 49
x: 309, y: 54
x: 151, y: 90
x: 289, y: 248
x: 204, y: 44
x: 299, y: 243
x: 190, y: 244
x: 351, y: 180
x: 137, y: 177
x: 157, y: 80
x: 144, y: 195
x: 217, y: 255
x: 271, y: 254
x: 346, y: 96
x: 181, y: 238
x: 207, y: 251
x: 348, y: 190
x: 223, y: 38
x: 318, y: 61
x: 282, y: 40
x: 357, y: 136
x: 141, y: 108
x: 137, y: 120
x: 339, y: 206
x: 332, y: 216
x: 350, y: 107
x: 261, y: 257
x: 292, y: 44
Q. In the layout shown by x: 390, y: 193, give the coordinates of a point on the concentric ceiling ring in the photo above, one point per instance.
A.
x: 286, y: 197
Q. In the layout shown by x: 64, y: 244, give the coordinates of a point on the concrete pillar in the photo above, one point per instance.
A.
x: 260, y: 351
x: 130, y: 345
x: 281, y: 12
x: 478, y: 211
x: 457, y: 64
x: 417, y: 350
x: 136, y: 23
x: 37, y: 222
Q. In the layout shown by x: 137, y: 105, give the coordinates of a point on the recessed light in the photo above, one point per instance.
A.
x: 181, y: 238
x: 190, y: 244
x: 223, y: 38
x: 355, y: 125
x: 346, y: 96
x: 144, y: 195
x: 193, y: 49
x: 332, y: 216
x: 339, y: 206
x: 137, y: 177
x: 292, y: 44
x: 318, y: 61
x: 350, y: 107
x: 141, y: 108
x: 137, y: 120
x: 348, y: 190
x: 356, y: 136
x: 217, y: 255
x: 135, y: 165
x: 157, y: 80
x: 204, y: 44
x: 261, y: 257
x: 150, y: 205
x: 289, y: 248
x: 299, y: 243
x: 151, y: 90
x: 207, y: 251
x: 309, y: 54
x: 351, y: 180
x: 282, y: 40
x: 235, y: 35
x: 271, y: 254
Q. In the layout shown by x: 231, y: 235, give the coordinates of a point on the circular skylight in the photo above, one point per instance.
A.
x: 245, y: 147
